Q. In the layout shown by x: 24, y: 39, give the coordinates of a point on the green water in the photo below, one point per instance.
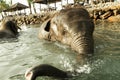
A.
x: 17, y: 55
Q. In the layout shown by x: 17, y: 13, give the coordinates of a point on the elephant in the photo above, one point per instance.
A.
x: 72, y: 27
x: 8, y: 29
x: 45, y: 70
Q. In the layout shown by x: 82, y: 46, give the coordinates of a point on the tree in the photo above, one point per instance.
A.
x: 3, y: 6
x: 10, y: 2
x: 34, y: 7
x: 30, y: 3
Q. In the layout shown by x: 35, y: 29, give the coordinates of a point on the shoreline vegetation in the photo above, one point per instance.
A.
x: 109, y: 11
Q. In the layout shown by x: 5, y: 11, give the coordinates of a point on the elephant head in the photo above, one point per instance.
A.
x: 8, y: 29
x: 46, y: 70
x: 73, y: 27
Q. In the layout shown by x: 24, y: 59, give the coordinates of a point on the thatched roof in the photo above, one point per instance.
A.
x: 15, y: 7
x: 40, y: 1
x: 45, y: 1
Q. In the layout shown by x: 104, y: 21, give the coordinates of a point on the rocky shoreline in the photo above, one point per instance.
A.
x: 104, y: 11
x: 31, y: 18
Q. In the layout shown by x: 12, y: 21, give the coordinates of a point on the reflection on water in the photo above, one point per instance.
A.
x: 17, y: 55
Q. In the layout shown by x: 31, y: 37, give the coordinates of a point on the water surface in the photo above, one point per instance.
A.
x: 17, y: 55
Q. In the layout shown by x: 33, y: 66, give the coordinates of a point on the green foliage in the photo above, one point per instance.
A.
x: 3, y: 5
x: 29, y: 1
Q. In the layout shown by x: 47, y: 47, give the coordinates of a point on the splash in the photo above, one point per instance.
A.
x: 84, y: 69
x: 72, y: 66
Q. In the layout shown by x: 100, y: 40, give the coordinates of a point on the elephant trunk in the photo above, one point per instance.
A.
x: 83, y: 44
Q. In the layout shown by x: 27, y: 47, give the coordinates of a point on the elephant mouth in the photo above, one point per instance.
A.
x: 45, y: 31
x: 47, y: 28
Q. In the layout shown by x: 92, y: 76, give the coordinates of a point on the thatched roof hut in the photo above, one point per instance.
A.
x: 15, y: 7
x: 46, y: 1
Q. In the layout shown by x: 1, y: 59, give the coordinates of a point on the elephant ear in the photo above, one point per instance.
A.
x: 44, y: 29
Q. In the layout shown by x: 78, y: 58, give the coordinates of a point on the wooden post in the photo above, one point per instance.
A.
x: 61, y: 4
x: 67, y: 1
x: 55, y: 5
x: 40, y: 7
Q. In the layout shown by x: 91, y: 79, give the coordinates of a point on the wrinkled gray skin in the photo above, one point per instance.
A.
x: 72, y: 27
x: 8, y: 29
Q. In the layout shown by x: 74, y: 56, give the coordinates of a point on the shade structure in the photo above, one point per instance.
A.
x: 15, y: 7
x: 40, y: 1
x: 45, y: 1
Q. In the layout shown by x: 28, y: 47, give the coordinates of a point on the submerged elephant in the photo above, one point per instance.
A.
x: 45, y: 70
x: 73, y: 27
x: 8, y: 29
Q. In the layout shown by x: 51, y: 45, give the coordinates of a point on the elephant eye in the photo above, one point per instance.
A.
x: 64, y: 31
x: 54, y: 22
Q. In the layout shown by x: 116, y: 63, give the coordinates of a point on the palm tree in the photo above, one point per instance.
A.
x: 34, y: 7
x: 61, y: 4
x: 3, y: 5
x: 30, y: 3
x: 67, y: 1
x: 10, y: 2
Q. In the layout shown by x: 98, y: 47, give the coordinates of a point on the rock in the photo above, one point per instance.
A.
x: 106, y: 15
x: 114, y: 18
